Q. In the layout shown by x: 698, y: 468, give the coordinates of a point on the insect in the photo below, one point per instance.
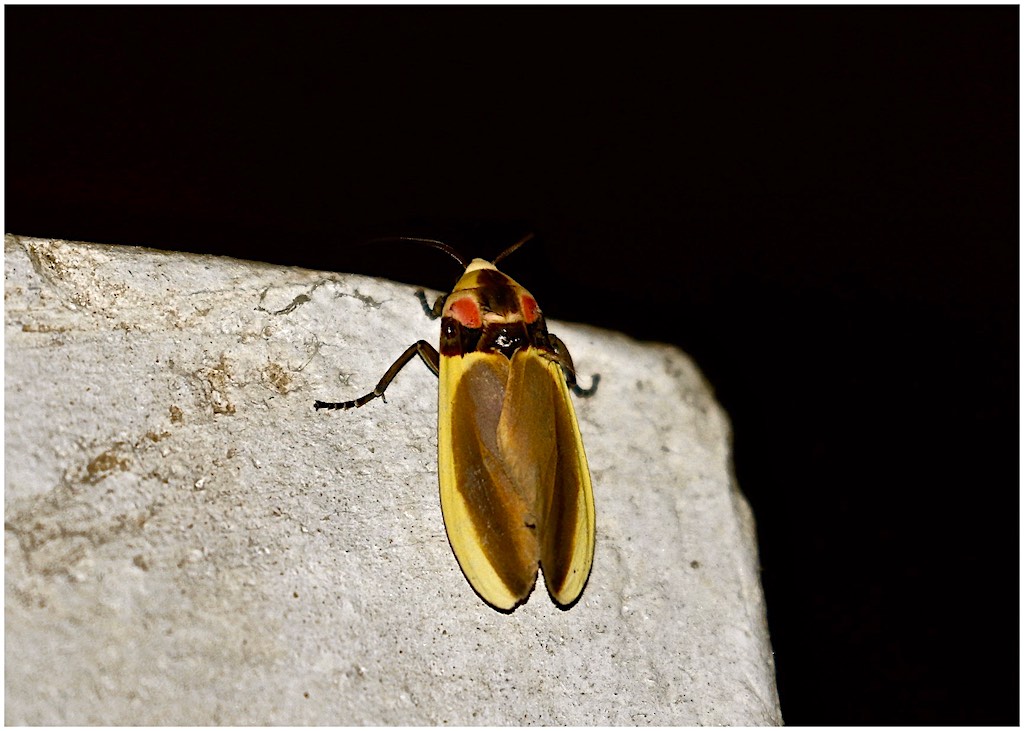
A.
x: 515, y: 485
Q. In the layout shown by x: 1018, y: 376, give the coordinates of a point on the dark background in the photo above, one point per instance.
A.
x: 818, y: 204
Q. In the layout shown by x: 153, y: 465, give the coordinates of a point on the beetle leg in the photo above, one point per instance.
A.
x: 563, y: 359
x: 432, y: 312
x: 421, y: 348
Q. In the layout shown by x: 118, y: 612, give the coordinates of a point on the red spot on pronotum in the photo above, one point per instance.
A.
x: 530, y: 309
x: 466, y: 312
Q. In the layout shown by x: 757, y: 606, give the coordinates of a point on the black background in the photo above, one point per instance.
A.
x: 818, y: 204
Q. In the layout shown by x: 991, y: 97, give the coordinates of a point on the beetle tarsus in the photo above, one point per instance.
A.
x: 586, y: 392
x: 333, y: 404
x: 345, y: 405
x: 433, y: 312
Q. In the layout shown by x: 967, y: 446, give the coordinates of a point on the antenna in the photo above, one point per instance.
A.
x: 513, y: 247
x: 429, y: 242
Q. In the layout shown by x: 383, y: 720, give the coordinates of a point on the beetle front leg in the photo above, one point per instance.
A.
x: 432, y: 312
x: 421, y: 348
x: 563, y: 359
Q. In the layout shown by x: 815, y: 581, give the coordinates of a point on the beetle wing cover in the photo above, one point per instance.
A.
x: 567, y: 540
x: 515, y: 487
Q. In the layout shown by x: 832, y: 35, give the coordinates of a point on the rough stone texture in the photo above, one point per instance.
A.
x: 188, y: 542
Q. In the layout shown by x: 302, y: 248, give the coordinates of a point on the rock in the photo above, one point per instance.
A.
x: 188, y: 542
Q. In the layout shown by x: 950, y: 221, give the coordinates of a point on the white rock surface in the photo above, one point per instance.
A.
x: 189, y: 542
